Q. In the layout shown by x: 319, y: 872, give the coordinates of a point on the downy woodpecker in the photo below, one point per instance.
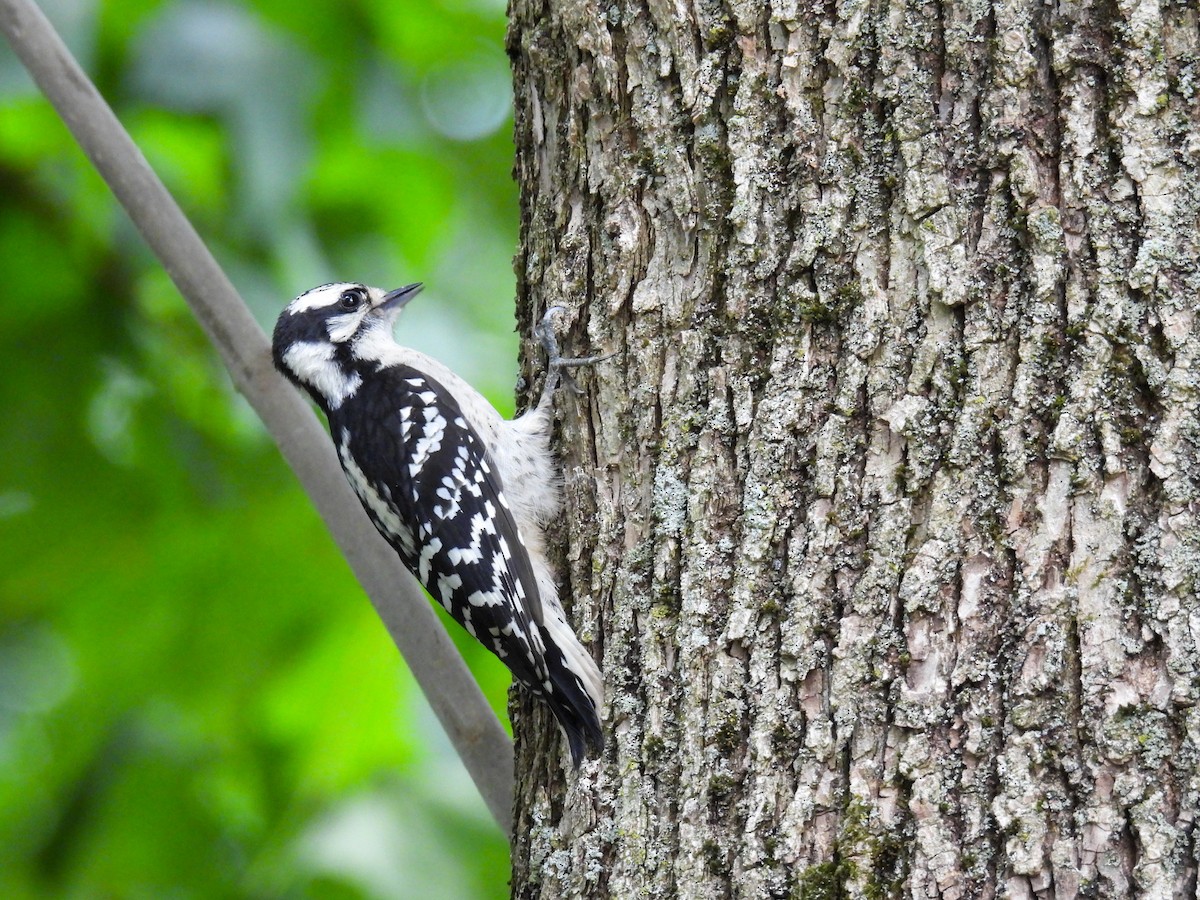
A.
x: 459, y: 492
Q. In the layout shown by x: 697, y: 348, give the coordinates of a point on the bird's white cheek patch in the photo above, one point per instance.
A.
x: 312, y: 362
x: 342, y: 328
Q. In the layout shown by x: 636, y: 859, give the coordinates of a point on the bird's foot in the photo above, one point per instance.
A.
x: 558, y: 366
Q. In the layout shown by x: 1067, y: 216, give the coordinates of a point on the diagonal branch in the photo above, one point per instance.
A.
x: 477, y: 735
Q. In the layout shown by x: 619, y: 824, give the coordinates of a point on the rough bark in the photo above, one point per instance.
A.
x: 884, y: 519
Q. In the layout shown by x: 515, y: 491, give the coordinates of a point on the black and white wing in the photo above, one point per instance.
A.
x: 424, y: 476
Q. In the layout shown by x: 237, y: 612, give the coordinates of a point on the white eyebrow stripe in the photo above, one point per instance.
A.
x: 325, y: 295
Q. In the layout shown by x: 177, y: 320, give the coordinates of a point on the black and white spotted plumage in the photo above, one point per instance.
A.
x: 403, y: 440
x: 459, y: 492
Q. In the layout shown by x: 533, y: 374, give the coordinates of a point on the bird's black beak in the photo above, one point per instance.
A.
x: 394, y: 301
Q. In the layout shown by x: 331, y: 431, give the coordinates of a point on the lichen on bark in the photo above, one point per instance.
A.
x: 883, y: 517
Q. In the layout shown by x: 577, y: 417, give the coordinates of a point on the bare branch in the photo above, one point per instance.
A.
x: 477, y: 735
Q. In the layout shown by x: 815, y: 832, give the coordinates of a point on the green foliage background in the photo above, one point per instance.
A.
x: 195, y: 697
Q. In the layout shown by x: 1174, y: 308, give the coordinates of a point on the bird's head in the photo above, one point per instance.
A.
x: 315, y: 335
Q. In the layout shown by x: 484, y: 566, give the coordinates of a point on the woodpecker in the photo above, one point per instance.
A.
x: 460, y: 493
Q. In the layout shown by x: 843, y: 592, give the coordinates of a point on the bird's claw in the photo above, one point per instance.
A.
x: 558, y: 367
x: 544, y: 332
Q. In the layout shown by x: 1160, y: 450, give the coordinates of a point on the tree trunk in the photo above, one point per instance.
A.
x: 884, y: 518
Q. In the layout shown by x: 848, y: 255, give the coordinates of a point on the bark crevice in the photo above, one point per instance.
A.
x: 887, y: 507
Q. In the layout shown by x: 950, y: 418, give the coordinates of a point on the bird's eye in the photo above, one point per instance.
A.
x: 352, y: 298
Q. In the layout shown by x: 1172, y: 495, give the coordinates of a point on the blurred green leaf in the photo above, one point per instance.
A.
x: 46, y: 287
x: 189, y: 154
x: 30, y: 131
x: 404, y: 196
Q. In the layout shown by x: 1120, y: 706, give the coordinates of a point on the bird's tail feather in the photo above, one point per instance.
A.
x: 578, y: 688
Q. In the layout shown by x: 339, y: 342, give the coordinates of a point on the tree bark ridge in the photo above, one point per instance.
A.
x: 885, y: 515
